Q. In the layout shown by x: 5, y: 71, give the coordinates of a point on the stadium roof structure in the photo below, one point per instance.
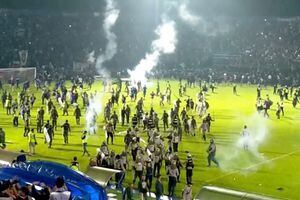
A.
x: 218, y: 193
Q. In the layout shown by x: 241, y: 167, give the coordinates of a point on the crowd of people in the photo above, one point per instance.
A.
x: 252, y: 51
x: 256, y: 50
x: 160, y: 151
x: 12, y: 189
x: 164, y: 133
x: 146, y: 157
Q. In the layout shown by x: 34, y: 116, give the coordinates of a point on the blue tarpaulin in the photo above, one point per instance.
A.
x: 49, y: 171
x: 26, y: 177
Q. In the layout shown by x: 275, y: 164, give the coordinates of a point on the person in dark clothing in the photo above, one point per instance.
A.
x: 75, y: 164
x: 149, y: 174
x: 120, y: 176
x: 142, y: 186
x: 66, y: 130
x: 212, y: 153
x: 50, y: 133
x: 16, y: 120
x: 22, y: 157
x: 127, y: 139
x: 208, y: 120
x: 115, y: 119
x: 127, y: 114
x: 53, y: 117
x: 193, y: 126
x: 3, y: 98
x: 165, y: 119
x: 189, y: 166
x: 77, y: 114
x: 234, y: 89
x: 144, y: 91
x: 157, y: 158
x: 40, y: 120
x: 26, y: 129
x: 123, y: 115
x: 258, y: 91
x: 2, y: 139
x: 134, y: 121
x: 159, y: 188
x: 128, y: 193
x: 84, y: 143
x: 41, y: 113
x: 109, y: 132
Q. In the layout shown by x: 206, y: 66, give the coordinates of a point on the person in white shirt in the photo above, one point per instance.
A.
x: 245, y: 137
x: 60, y: 191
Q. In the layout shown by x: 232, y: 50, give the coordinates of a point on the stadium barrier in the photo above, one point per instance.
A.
x: 101, y: 175
x: 218, y: 193
x: 21, y: 74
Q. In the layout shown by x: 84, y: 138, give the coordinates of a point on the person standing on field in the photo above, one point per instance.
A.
x: 109, y: 132
x: 189, y: 166
x: 66, y: 130
x: 212, y: 153
x: 77, y: 114
x: 84, y: 143
x: 245, y: 138
x: 165, y: 119
x: 159, y: 188
x: 31, y: 141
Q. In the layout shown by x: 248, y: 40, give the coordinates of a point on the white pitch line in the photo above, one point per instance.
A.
x: 143, y: 141
x: 255, y: 165
x: 121, y: 133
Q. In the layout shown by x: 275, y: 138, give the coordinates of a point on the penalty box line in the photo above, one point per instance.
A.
x: 253, y: 166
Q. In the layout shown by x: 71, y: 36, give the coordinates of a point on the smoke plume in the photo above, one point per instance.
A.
x: 94, y: 109
x: 201, y: 25
x: 234, y: 156
x: 164, y: 44
x: 91, y: 57
x: 111, y: 16
x: 186, y: 16
x: 92, y: 113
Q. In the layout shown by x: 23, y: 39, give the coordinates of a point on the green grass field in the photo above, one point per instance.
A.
x: 274, y: 173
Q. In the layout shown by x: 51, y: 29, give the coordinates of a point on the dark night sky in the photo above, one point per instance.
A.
x: 207, y: 7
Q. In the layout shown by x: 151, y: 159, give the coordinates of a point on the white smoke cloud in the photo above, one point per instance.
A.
x: 201, y: 25
x: 92, y: 113
x: 257, y: 127
x: 95, y: 105
x: 111, y: 16
x: 91, y: 57
x: 187, y: 16
x: 164, y: 44
x: 235, y: 157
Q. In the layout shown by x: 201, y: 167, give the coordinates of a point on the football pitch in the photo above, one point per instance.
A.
x: 270, y: 168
